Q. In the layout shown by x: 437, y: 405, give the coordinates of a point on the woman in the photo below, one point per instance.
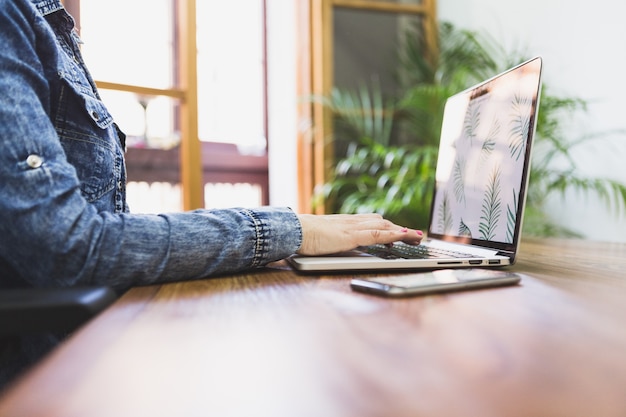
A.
x: 65, y: 220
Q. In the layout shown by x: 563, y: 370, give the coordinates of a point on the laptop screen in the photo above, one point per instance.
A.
x: 484, y: 159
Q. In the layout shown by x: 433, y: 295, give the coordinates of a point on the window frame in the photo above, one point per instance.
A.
x: 315, y: 65
x: 196, y: 162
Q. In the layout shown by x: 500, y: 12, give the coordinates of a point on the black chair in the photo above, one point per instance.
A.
x: 34, y: 320
x: 37, y: 310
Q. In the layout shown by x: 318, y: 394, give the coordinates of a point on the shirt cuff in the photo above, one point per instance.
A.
x: 278, y: 233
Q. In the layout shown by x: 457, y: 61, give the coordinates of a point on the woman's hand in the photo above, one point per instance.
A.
x: 326, y: 234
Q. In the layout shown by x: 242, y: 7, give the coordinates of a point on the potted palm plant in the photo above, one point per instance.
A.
x: 379, y: 173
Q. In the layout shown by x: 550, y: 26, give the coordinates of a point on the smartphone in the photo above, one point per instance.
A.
x: 442, y: 280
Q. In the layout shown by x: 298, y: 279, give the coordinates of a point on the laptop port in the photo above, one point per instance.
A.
x: 475, y: 262
x: 494, y: 262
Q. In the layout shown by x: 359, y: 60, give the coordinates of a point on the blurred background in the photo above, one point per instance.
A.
x: 334, y: 105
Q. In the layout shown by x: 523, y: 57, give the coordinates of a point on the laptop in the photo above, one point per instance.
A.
x: 481, y: 183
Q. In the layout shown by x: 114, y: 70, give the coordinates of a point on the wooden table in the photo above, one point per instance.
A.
x: 274, y: 343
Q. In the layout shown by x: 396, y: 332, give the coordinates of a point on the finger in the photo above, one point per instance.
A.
x: 376, y: 224
x: 414, y: 239
x: 407, y: 235
x: 377, y: 236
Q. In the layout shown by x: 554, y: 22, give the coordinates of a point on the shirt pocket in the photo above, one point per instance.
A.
x: 88, y: 136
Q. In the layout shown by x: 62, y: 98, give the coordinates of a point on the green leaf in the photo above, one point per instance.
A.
x: 471, y: 124
x: 491, y: 207
x: 464, y: 230
x: 520, y: 125
x: 458, y: 175
x: 445, y: 215
x: 489, y: 144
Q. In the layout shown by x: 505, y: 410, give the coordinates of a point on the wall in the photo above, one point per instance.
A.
x: 282, y: 102
x: 582, y: 44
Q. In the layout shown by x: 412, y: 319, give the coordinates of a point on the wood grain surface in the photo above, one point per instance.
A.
x: 275, y: 343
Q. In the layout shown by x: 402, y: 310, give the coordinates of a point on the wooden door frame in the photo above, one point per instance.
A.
x: 315, y: 79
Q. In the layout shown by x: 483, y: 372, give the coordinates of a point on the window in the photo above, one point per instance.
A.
x: 125, y: 48
x: 231, y: 84
x: 348, y: 42
x: 167, y: 100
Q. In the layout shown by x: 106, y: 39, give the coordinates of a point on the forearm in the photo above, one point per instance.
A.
x: 61, y: 184
x: 82, y: 247
x: 145, y: 249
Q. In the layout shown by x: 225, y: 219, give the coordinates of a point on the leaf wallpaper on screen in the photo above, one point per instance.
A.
x: 479, y: 198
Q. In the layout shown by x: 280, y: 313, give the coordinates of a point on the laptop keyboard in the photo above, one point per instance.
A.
x: 404, y: 251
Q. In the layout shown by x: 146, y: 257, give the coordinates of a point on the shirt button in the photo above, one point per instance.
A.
x: 34, y: 161
x: 95, y: 115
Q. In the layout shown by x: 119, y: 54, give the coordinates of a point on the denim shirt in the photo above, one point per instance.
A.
x: 64, y: 218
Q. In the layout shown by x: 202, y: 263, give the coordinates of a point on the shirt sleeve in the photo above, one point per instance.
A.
x: 197, y: 244
x: 52, y: 236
